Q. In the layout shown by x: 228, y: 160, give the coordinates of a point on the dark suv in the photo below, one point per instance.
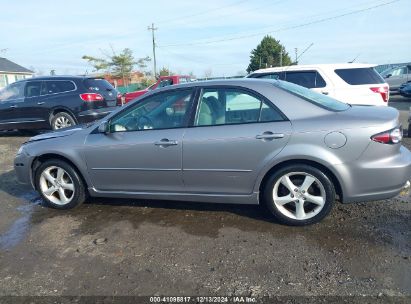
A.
x: 55, y: 102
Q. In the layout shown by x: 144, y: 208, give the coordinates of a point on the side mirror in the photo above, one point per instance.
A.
x: 103, y: 127
x: 388, y: 75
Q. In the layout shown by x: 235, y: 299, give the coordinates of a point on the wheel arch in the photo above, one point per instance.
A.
x: 59, y: 109
x: 331, y: 175
x: 49, y: 156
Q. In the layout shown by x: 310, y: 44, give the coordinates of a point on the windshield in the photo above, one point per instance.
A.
x: 318, y: 99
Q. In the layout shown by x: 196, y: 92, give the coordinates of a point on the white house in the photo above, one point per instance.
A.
x: 11, y: 72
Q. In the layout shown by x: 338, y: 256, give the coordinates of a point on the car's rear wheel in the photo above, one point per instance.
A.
x: 59, y: 184
x: 409, y: 130
x: 62, y: 120
x: 299, y: 195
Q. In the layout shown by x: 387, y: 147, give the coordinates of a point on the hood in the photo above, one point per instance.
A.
x: 55, y: 134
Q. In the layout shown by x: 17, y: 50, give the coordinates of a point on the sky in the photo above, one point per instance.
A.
x: 213, y: 36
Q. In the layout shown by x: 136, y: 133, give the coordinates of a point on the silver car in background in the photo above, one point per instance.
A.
x: 241, y: 141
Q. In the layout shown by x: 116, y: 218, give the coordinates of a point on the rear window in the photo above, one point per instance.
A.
x: 360, y: 76
x: 98, y: 84
x: 318, y: 99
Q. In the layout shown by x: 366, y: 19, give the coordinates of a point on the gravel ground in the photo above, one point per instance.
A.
x: 125, y: 247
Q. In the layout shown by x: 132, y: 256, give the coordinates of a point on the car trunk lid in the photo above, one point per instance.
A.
x: 103, y: 88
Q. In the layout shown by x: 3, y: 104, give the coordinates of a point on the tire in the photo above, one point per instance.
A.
x: 307, y: 205
x: 62, y: 120
x: 59, y: 176
x: 409, y: 130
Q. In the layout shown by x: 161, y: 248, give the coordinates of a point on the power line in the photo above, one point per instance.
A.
x: 245, y: 10
x: 284, y: 28
x: 201, y: 13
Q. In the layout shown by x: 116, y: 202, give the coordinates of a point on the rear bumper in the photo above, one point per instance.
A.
x: 94, y: 114
x: 376, y: 179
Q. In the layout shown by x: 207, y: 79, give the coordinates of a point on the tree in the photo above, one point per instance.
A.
x: 120, y: 65
x: 208, y: 73
x: 165, y: 72
x: 269, y: 53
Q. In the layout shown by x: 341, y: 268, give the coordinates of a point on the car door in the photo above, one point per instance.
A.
x: 397, y: 77
x: 11, y: 98
x: 33, y: 107
x: 142, y: 150
x: 310, y: 79
x: 235, y: 133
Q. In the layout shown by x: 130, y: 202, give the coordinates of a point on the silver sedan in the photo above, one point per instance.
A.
x: 235, y: 141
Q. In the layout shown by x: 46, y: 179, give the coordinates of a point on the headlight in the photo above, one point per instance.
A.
x: 20, y: 151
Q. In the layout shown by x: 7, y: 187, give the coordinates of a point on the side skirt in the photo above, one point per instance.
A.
x: 249, y: 199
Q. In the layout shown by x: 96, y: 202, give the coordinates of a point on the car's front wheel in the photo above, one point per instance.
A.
x: 299, y: 195
x: 59, y: 184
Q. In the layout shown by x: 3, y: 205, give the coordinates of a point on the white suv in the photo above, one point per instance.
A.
x: 352, y: 83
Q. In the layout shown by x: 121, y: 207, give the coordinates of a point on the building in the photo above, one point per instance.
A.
x: 11, y: 72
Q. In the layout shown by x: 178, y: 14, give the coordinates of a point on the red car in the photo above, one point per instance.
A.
x: 163, y: 81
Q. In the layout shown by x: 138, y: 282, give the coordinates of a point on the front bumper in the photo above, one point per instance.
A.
x: 94, y: 114
x: 22, y: 167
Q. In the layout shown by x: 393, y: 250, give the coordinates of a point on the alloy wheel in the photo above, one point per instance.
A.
x: 62, y: 122
x: 299, y: 195
x: 57, y: 185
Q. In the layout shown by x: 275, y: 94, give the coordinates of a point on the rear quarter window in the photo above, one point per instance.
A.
x: 360, y: 76
x: 57, y: 86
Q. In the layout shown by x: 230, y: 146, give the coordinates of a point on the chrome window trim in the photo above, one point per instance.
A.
x: 48, y: 80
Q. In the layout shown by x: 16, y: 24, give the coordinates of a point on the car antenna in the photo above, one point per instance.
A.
x: 352, y: 61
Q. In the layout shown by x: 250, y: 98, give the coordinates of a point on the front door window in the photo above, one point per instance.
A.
x: 167, y: 110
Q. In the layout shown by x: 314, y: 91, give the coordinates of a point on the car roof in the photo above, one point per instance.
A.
x: 241, y: 82
x: 325, y: 66
x: 59, y: 77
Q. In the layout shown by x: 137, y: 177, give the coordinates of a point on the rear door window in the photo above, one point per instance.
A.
x: 32, y: 89
x: 359, y: 76
x: 307, y: 79
x: 233, y: 106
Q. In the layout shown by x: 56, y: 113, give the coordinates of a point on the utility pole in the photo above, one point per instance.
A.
x: 152, y: 29
x: 296, y: 55
x: 281, y: 56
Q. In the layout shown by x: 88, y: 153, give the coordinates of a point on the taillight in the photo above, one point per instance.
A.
x: 119, y: 101
x: 393, y: 136
x: 90, y: 97
x: 383, y: 91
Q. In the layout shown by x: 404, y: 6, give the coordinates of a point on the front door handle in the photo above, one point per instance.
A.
x: 41, y: 103
x: 270, y: 135
x: 324, y: 92
x: 165, y: 142
x: 13, y: 106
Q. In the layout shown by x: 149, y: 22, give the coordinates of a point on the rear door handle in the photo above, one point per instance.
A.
x: 41, y: 103
x: 324, y: 92
x: 165, y: 142
x: 270, y: 135
x: 13, y: 106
